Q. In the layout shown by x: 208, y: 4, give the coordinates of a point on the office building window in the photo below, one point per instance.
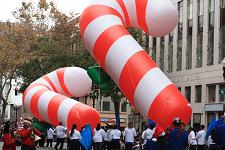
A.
x: 222, y: 13
x: 189, y: 53
x: 196, y: 120
x: 190, y: 9
x: 198, y: 93
x: 124, y: 107
x: 222, y: 92
x: 200, y: 15
x: 188, y: 93
x: 106, y: 106
x: 199, y: 50
x: 170, y: 53
x: 179, y: 88
x: 211, y: 93
x: 161, y: 58
x: 209, y: 117
x: 222, y: 31
x: 180, y: 11
x: 180, y: 36
x: 154, y: 48
x: 210, y: 51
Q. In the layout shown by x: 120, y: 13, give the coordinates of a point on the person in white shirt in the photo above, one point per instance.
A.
x: 108, y: 137
x: 75, y: 138
x: 191, y: 139
x: 115, y: 136
x: 60, y: 135
x: 99, y: 137
x: 129, y: 135
x: 50, y: 136
x: 200, y: 137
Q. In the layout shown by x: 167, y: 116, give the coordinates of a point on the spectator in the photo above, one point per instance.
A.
x: 8, y: 139
x: 129, y: 136
x: 115, y: 136
x: 75, y: 138
x: 177, y: 137
x: 191, y: 139
x: 50, y: 136
x: 213, y: 140
x: 109, y: 137
x: 27, y: 136
x: 159, y: 136
x: 147, y: 137
x: 99, y: 136
x: 60, y: 135
x: 200, y: 137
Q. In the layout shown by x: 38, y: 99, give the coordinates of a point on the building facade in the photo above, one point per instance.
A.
x: 191, y: 56
x: 14, y: 108
x: 106, y: 109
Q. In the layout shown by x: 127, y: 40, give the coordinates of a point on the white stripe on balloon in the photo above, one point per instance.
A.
x: 110, y: 3
x: 43, y: 102
x: 63, y: 113
x: 118, y: 55
x: 132, y: 12
x: 151, y: 84
x: 28, y: 96
x: 96, y: 27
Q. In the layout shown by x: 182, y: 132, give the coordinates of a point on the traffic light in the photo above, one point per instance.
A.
x: 222, y: 92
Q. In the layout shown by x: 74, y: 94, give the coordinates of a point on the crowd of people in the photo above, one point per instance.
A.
x: 112, y: 138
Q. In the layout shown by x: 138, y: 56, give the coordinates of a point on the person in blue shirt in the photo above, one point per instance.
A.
x: 177, y: 137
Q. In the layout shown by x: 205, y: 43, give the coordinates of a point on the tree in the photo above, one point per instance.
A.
x: 58, y: 39
x: 15, y: 42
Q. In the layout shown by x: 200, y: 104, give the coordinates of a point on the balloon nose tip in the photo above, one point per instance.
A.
x: 163, y: 18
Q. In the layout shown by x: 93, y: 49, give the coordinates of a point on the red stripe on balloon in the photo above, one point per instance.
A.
x: 53, y: 107
x: 50, y: 82
x: 140, y: 7
x: 60, y: 74
x: 105, y: 41
x: 34, y: 102
x: 134, y: 70
x: 122, y: 5
x: 82, y: 116
x: 93, y: 12
x: 167, y: 102
x: 32, y: 86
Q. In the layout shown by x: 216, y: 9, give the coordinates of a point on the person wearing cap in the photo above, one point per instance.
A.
x: 9, y: 141
x: 27, y: 136
x: 177, y: 137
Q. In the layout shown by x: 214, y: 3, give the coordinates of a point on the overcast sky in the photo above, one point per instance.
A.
x: 66, y: 6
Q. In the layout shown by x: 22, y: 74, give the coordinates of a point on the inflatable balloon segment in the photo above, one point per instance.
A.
x: 48, y: 98
x: 103, y: 31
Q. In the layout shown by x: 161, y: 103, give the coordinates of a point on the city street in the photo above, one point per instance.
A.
x: 38, y: 148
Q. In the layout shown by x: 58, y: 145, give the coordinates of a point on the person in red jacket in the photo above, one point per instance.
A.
x: 27, y: 136
x: 8, y: 139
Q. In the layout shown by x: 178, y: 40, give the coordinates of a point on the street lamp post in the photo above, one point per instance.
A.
x: 223, y: 64
x: 16, y: 108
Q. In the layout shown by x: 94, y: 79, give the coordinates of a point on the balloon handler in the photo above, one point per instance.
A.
x: 27, y: 134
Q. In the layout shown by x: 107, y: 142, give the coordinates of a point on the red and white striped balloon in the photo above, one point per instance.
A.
x: 104, y: 34
x: 48, y: 98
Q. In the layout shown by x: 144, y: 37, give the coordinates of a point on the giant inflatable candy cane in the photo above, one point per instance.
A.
x: 142, y: 82
x: 48, y: 98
